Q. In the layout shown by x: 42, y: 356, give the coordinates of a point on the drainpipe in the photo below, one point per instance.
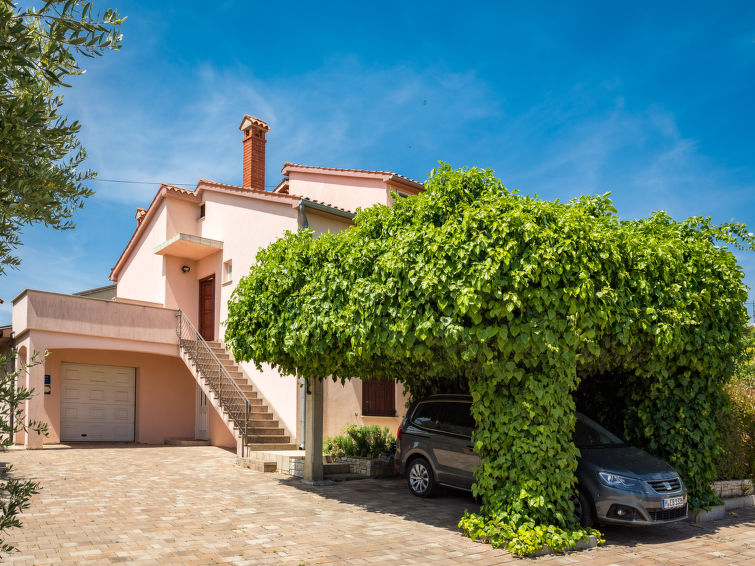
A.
x: 303, y: 416
x: 303, y: 381
x: 304, y: 219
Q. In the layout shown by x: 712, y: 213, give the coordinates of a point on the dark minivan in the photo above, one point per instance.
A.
x: 617, y: 483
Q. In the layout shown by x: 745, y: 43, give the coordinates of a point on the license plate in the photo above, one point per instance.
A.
x: 672, y: 502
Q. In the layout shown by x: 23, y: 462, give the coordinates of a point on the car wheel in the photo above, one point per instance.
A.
x: 420, y: 478
x: 583, y: 509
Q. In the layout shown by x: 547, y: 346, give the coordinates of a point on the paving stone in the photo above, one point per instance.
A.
x: 129, y: 504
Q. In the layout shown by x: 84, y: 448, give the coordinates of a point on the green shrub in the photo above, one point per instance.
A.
x: 736, y: 423
x: 360, y: 442
x: 737, y: 430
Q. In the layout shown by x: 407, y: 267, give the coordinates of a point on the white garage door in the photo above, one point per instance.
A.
x: 97, y: 403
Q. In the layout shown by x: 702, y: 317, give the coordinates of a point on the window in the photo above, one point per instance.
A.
x: 456, y: 419
x: 227, y: 271
x: 379, y: 397
x: 201, y: 211
x: 426, y: 415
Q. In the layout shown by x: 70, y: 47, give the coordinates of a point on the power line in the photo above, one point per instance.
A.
x: 141, y: 182
x: 153, y: 182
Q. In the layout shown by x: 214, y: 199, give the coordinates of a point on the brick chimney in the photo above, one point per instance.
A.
x: 254, y: 152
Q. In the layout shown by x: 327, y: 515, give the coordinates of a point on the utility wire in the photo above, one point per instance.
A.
x: 153, y: 182
x: 140, y: 182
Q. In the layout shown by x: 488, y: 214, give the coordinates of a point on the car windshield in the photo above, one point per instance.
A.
x: 589, y: 434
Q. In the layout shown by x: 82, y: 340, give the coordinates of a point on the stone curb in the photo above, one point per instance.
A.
x: 581, y: 545
x: 718, y: 512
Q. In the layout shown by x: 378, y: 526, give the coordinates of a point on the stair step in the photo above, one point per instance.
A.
x: 268, y: 438
x: 257, y: 465
x: 262, y: 447
x: 265, y: 430
x: 260, y: 413
x: 262, y: 423
x: 239, y: 404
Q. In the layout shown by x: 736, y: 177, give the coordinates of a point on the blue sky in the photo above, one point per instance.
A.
x: 651, y: 102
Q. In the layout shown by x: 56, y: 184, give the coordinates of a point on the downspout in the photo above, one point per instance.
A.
x: 303, y: 381
x: 302, y: 210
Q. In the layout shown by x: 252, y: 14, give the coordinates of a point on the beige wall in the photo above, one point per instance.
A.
x: 345, y: 192
x: 182, y: 217
x: 322, y: 223
x: 143, y: 276
x: 343, y: 406
x: 182, y: 289
x: 219, y: 434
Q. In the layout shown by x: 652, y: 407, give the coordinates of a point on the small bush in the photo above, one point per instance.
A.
x: 360, y: 441
x: 736, y: 425
x: 737, y: 431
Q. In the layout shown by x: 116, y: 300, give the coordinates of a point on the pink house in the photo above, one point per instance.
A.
x: 144, y: 361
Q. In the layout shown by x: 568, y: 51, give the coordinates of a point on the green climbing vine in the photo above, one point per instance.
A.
x: 521, y: 299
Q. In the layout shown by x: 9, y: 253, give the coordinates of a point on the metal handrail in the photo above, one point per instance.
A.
x: 198, y: 350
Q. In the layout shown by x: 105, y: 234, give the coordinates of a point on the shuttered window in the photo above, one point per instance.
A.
x: 379, y: 398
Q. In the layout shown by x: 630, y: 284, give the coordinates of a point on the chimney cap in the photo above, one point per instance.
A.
x: 251, y: 121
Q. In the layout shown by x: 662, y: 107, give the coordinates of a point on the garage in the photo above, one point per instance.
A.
x: 97, y: 403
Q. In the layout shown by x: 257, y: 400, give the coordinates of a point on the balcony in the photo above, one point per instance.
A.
x: 189, y: 246
x: 57, y: 320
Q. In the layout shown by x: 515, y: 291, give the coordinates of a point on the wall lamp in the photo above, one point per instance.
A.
x: 185, y: 269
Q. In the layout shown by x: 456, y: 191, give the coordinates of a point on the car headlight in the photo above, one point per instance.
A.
x: 621, y: 482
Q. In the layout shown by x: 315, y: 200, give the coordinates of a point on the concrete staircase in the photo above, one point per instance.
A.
x: 263, y: 432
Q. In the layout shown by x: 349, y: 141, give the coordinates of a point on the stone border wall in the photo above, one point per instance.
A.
x: 367, y: 467
x: 296, y: 467
x: 732, y: 488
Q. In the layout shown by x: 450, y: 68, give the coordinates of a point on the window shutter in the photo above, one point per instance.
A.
x: 379, y: 397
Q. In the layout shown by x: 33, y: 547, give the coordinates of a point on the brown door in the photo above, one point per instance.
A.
x: 207, y: 307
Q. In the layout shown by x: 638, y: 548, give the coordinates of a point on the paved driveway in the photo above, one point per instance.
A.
x: 169, y: 505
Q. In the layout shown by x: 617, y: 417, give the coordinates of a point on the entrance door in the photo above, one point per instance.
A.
x: 207, y: 307
x: 202, y: 418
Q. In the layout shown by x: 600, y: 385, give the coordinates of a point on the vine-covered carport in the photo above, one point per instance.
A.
x: 519, y: 300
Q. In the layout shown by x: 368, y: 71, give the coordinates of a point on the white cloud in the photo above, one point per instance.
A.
x: 341, y: 115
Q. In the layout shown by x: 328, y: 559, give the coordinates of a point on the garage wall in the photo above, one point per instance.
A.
x: 164, y: 392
